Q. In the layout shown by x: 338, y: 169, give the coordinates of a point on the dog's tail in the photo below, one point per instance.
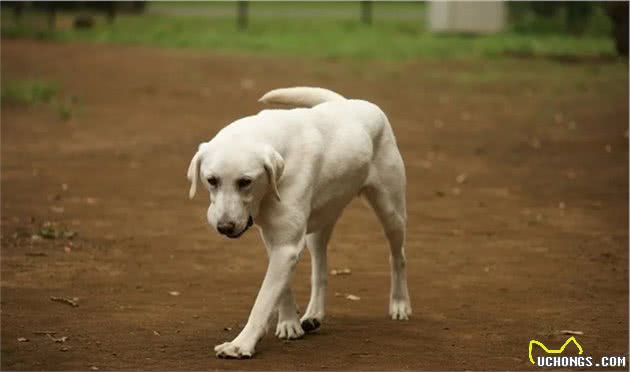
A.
x: 300, y: 96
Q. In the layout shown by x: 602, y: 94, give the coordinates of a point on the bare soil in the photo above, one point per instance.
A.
x: 533, y: 240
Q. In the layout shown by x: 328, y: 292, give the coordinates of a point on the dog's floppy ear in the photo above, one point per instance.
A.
x: 274, y: 166
x: 193, y: 170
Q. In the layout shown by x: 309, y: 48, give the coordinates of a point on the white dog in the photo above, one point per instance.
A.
x: 292, y: 172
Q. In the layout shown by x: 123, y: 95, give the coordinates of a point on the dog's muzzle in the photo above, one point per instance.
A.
x: 250, y: 222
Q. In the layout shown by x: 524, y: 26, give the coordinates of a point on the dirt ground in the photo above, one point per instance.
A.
x: 533, y: 241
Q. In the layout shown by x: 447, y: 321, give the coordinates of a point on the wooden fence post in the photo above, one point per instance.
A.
x: 242, y: 19
x: 366, y: 12
x: 51, y: 10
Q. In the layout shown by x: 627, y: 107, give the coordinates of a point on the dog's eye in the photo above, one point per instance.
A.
x: 243, y: 183
x: 213, y: 181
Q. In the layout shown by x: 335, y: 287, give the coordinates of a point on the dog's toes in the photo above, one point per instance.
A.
x: 310, y: 324
x: 289, y: 330
x: 231, y: 350
x: 400, y: 309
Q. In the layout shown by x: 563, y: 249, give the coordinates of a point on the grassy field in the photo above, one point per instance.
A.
x: 333, y: 31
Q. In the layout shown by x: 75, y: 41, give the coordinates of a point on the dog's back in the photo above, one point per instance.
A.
x: 326, y: 102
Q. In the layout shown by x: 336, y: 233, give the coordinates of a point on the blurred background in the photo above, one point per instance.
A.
x: 391, y: 30
x: 511, y: 117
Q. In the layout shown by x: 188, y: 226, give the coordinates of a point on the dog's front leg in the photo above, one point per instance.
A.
x: 282, y: 260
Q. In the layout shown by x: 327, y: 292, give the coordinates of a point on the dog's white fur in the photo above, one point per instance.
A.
x: 305, y: 165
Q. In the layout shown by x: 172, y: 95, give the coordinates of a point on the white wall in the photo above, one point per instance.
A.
x: 466, y: 16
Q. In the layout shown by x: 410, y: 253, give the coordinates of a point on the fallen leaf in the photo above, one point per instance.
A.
x: 569, y: 332
x: 70, y: 301
x: 344, y: 271
x: 57, y: 339
x: 156, y: 333
x: 348, y: 296
x: 22, y: 339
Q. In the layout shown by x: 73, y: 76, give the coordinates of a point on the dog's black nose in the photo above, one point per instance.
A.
x: 226, y: 228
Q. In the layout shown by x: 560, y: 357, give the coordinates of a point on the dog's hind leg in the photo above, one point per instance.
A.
x: 386, y: 194
x: 288, y: 321
x: 317, y: 243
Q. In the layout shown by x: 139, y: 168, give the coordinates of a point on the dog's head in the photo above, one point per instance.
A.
x: 238, y: 176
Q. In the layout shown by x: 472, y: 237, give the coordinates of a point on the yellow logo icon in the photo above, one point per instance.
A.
x: 553, y: 351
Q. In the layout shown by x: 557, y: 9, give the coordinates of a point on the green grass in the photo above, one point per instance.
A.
x: 37, y: 92
x: 392, y: 39
x: 28, y: 92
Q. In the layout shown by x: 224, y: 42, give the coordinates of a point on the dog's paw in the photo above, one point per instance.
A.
x: 233, y: 350
x: 310, y: 324
x: 289, y: 329
x: 400, y: 309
